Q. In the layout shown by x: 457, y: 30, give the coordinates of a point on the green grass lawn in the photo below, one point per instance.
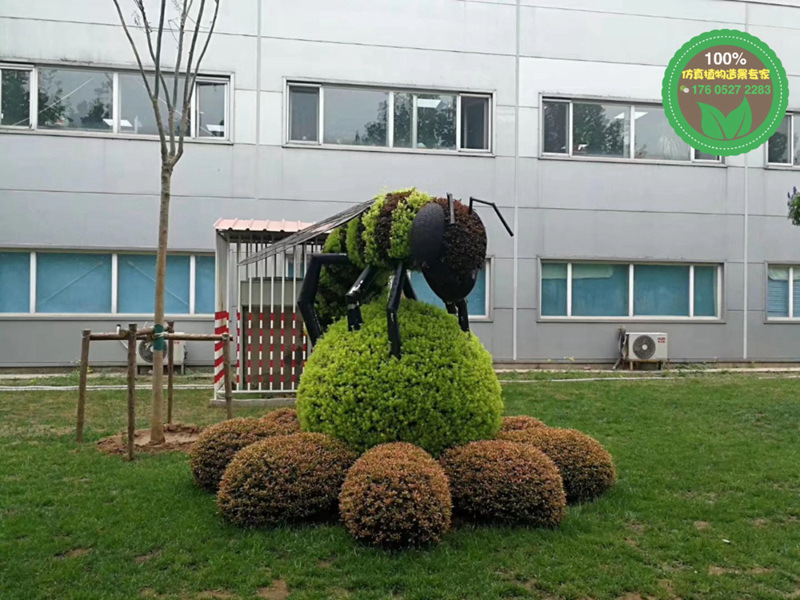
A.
x: 707, y: 506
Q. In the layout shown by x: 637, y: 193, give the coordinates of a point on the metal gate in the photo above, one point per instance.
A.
x: 257, y: 302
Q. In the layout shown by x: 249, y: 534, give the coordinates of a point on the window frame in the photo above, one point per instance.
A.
x: 225, y: 79
x: 392, y: 92
x: 790, y: 149
x: 631, y: 317
x: 794, y: 310
x: 624, y: 103
x: 194, y: 115
x: 33, y: 85
x: 114, y: 312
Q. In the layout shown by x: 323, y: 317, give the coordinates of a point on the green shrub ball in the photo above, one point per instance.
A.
x: 442, y: 392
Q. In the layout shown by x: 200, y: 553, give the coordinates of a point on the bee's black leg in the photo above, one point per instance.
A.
x: 463, y: 315
x: 451, y: 308
x: 354, y: 296
x: 305, y: 301
x: 391, y: 310
x: 408, y: 290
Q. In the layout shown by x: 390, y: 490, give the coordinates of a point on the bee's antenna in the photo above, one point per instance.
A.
x: 452, y: 208
x: 497, y: 210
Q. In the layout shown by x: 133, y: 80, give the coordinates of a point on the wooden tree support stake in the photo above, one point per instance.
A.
x: 170, y: 368
x: 226, y: 357
x: 82, y: 385
x: 131, y: 388
x: 131, y: 335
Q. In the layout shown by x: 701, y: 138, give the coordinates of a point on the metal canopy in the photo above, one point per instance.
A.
x: 309, y: 232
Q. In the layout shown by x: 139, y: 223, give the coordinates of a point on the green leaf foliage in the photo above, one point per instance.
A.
x: 372, y: 249
x: 336, y: 280
x: 402, y: 220
x: 393, y: 213
x: 442, y: 392
x: 720, y: 127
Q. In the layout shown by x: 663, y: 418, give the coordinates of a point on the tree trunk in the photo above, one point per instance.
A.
x: 157, y: 415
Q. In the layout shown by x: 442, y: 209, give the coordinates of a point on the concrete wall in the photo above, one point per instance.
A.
x: 85, y: 191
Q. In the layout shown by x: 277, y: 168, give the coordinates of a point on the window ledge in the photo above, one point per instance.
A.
x: 781, y: 167
x: 643, y: 320
x: 380, y: 149
x: 123, y: 317
x: 481, y: 319
x: 634, y: 161
x: 782, y: 321
x: 107, y: 135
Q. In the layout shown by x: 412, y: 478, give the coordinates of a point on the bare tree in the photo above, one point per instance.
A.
x: 192, y: 40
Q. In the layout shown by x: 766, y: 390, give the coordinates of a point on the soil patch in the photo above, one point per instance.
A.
x: 277, y: 591
x: 74, y: 553
x: 178, y: 438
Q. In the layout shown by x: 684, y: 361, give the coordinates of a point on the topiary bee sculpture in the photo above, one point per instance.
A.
x: 397, y: 232
x: 401, y: 231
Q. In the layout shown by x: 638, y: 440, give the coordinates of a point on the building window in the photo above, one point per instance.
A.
x: 477, y: 301
x: 212, y: 109
x: 75, y: 99
x: 15, y: 97
x: 136, y: 109
x: 73, y: 283
x: 15, y: 282
x: 356, y: 116
x: 137, y: 284
x: 594, y: 289
x: 204, y: 286
x: 105, y: 101
x: 783, y: 292
x: 783, y: 147
x: 583, y: 128
x: 80, y: 283
x: 304, y: 111
x: 475, y: 122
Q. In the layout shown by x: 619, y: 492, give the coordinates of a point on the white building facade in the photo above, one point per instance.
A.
x: 551, y: 108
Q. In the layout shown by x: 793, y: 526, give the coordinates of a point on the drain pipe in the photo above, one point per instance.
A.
x: 515, y: 301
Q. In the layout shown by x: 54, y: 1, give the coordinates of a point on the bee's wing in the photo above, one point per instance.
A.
x: 310, y: 232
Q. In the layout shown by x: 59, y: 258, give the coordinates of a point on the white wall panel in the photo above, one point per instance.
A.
x: 434, y: 25
x: 288, y: 59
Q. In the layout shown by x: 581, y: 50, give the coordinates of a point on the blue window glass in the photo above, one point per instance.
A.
x: 796, y: 292
x: 137, y: 284
x: 661, y: 290
x: 705, y: 291
x: 15, y: 282
x: 778, y: 292
x: 476, y: 301
x: 554, y: 289
x: 204, y: 285
x: 73, y: 283
x: 599, y: 290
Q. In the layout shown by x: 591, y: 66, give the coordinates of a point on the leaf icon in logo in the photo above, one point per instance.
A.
x: 719, y: 127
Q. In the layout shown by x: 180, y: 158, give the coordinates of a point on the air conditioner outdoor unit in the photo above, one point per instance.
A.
x: 144, y: 353
x: 646, y: 347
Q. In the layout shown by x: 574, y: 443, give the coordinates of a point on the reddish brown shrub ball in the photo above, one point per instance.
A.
x: 282, y: 421
x: 396, y: 495
x: 585, y: 465
x: 284, y: 478
x: 496, y: 480
x: 218, y: 444
x: 520, y: 422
